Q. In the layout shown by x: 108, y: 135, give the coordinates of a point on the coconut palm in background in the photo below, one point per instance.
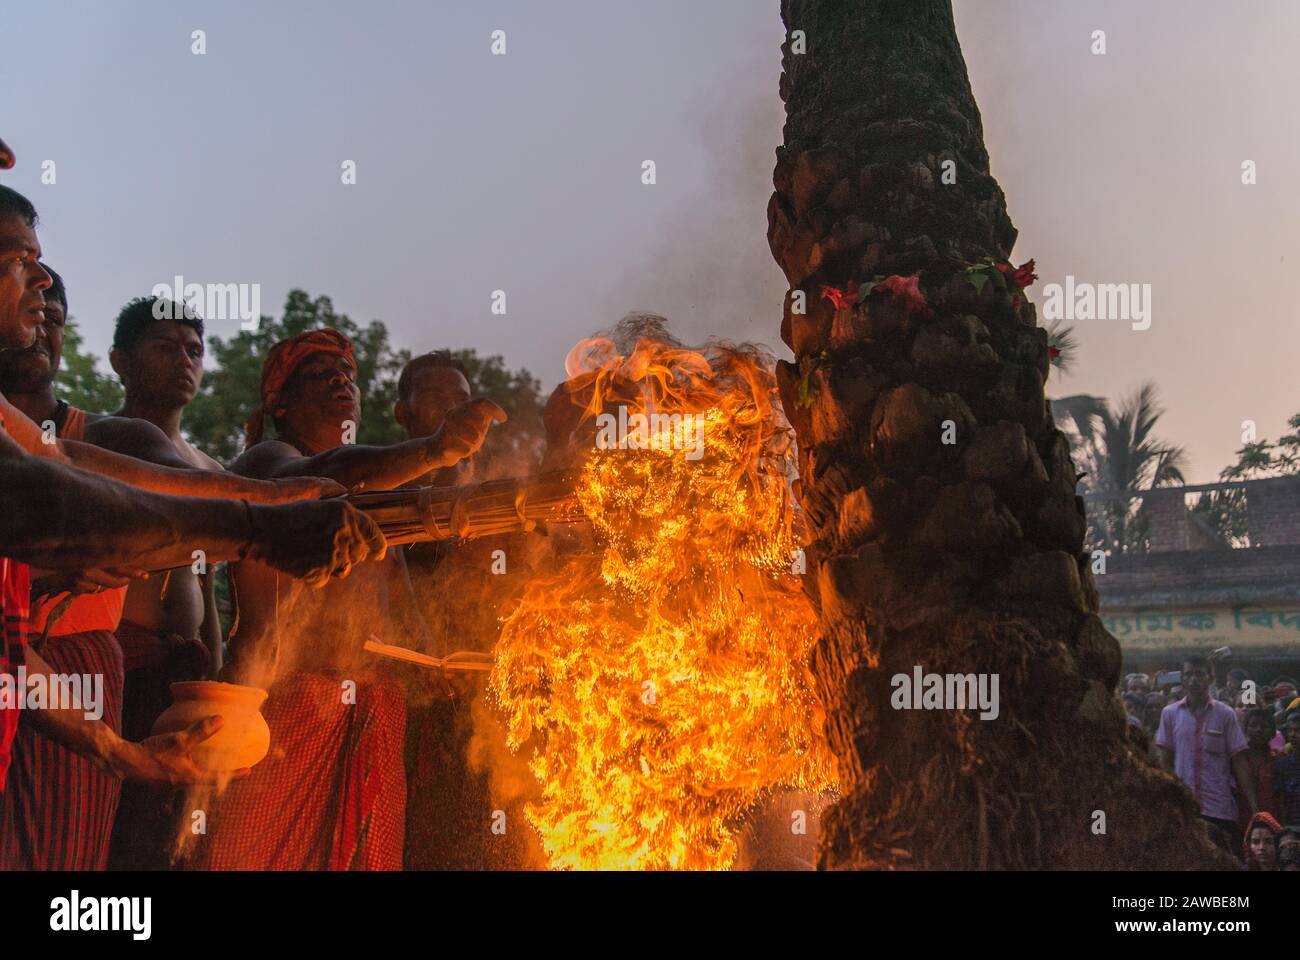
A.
x: 1119, y: 454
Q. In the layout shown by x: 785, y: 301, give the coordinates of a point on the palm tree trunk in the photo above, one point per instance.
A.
x: 959, y: 557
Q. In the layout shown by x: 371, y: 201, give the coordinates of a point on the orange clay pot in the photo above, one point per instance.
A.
x: 244, y: 737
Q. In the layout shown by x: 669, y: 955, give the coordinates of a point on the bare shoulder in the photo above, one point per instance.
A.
x: 125, y: 435
x: 263, y: 460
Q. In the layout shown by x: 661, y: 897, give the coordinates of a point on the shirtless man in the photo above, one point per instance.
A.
x: 338, y: 721
x: 63, y: 518
x: 449, y: 808
x: 170, y: 630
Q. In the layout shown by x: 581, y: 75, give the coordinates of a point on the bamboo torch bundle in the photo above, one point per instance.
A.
x: 474, y: 510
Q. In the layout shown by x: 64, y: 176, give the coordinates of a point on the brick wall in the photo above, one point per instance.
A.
x: 1273, y: 511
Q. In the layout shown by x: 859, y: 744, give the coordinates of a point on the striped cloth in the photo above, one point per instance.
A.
x: 15, y: 577
x: 58, y: 810
x: 331, y: 795
x: 15, y: 595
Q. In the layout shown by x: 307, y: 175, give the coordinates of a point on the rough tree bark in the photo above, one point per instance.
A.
x: 960, y: 557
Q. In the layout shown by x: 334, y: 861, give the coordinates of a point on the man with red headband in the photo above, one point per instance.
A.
x: 333, y: 794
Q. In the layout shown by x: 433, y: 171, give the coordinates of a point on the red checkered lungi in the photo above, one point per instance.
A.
x: 331, y: 794
x: 57, y: 812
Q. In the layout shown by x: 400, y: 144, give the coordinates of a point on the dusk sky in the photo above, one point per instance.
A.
x: 522, y: 172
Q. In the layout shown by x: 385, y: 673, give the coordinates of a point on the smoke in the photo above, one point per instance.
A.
x: 710, y: 267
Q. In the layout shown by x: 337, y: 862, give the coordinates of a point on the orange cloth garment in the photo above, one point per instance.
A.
x: 88, y: 611
x: 74, y: 424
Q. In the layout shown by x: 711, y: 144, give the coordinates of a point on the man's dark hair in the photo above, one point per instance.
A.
x: 11, y: 201
x: 1197, y: 660
x: 1265, y: 714
x: 56, y: 291
x: 139, y: 313
x: 430, y: 360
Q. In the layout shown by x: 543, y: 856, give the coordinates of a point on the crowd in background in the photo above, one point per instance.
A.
x: 1233, y: 737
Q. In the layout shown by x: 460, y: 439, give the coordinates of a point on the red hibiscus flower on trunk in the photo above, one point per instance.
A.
x: 842, y: 299
x: 1024, y: 274
x: 906, y: 293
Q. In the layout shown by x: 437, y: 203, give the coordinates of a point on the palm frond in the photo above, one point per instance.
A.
x: 1081, y: 411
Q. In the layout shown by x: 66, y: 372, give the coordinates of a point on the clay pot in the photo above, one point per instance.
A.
x: 244, y: 737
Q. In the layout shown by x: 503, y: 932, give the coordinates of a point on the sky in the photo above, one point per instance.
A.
x: 522, y: 172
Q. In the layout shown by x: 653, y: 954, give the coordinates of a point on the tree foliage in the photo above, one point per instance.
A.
x: 80, y: 381
x: 1225, y: 510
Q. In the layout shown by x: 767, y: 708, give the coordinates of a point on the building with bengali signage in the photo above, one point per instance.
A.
x: 1192, y: 592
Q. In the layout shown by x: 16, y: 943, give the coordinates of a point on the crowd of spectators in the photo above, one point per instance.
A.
x: 1235, y: 744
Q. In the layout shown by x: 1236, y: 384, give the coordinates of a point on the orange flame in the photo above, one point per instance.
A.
x: 658, y: 682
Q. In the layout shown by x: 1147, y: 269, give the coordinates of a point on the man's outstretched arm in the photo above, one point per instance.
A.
x: 360, y: 467
x: 138, y: 453
x: 59, y: 517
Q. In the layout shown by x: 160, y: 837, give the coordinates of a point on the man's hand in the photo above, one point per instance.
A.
x: 6, y: 157
x: 314, y: 540
x: 437, y: 684
x: 464, y: 430
x: 84, y: 581
x: 165, y: 759
x: 293, y: 489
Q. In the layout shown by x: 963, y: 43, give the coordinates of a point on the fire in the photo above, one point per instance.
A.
x: 657, y: 682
